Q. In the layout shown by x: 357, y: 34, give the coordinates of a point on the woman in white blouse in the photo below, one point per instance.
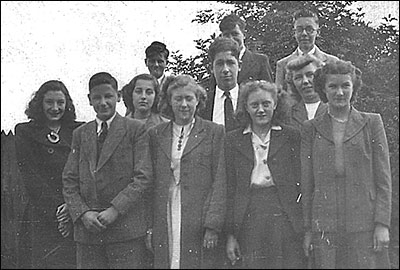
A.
x: 189, y: 199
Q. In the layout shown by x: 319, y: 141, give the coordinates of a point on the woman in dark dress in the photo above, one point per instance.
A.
x: 42, y: 148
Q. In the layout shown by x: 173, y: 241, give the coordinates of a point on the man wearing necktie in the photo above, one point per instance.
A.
x: 222, y: 99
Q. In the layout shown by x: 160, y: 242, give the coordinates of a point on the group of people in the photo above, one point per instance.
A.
x: 244, y: 172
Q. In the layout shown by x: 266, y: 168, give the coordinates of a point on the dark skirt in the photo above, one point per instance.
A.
x: 267, y: 239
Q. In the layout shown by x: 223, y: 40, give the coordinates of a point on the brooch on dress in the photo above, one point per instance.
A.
x: 53, y: 136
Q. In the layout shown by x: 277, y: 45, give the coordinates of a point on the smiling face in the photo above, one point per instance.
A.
x: 303, y: 81
x: 260, y: 105
x: 306, y: 31
x: 184, y: 103
x: 104, y: 100
x: 338, y: 89
x: 143, y: 96
x: 225, y: 68
x: 54, y: 103
x: 156, y: 64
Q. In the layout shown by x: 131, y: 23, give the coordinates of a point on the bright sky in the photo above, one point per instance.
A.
x: 70, y: 41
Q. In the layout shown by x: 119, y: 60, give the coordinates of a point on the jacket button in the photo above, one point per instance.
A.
x: 50, y: 150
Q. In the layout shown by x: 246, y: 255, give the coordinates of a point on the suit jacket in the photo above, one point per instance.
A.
x: 203, y: 190
x: 122, y: 173
x: 280, y: 76
x: 255, y: 66
x: 284, y: 164
x: 299, y: 113
x: 368, y: 180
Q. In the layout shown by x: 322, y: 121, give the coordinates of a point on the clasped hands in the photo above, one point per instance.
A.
x: 97, y: 222
x: 210, y: 238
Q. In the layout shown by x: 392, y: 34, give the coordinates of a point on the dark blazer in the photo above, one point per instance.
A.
x: 41, y: 164
x: 203, y: 190
x: 280, y: 76
x: 299, y: 113
x: 284, y: 164
x: 254, y: 66
x: 368, y: 179
x: 119, y: 178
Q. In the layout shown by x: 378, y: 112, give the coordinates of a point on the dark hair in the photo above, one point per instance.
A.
x: 103, y: 78
x: 157, y: 48
x: 305, y: 13
x: 181, y: 81
x: 281, y: 98
x: 127, y: 91
x: 337, y: 67
x: 230, y: 21
x: 34, y: 110
x: 222, y: 44
x: 297, y: 64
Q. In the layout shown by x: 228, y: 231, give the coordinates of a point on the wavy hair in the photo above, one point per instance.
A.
x: 281, y: 98
x: 180, y: 81
x: 35, y: 111
x: 127, y: 91
x: 334, y: 68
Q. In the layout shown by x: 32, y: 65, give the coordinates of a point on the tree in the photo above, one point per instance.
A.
x: 344, y: 34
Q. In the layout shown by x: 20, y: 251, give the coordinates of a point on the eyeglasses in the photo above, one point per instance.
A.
x: 309, y: 30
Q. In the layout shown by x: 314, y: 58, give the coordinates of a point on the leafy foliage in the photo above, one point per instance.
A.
x: 344, y: 34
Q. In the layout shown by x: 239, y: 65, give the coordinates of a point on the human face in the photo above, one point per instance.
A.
x: 338, y: 90
x: 236, y: 35
x: 225, y: 69
x: 303, y: 81
x: 143, y: 96
x: 260, y: 105
x: 54, y: 103
x: 306, y: 31
x: 104, y: 100
x: 156, y: 65
x: 183, y: 103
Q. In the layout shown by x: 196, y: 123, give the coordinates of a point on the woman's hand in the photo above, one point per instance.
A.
x: 307, y: 243
x: 233, y: 249
x: 210, y: 238
x: 381, y: 237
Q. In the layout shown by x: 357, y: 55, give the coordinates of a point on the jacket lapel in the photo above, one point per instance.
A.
x: 356, y: 122
x: 248, y: 63
x: 196, y: 136
x: 164, y: 138
x: 115, y: 134
x: 299, y: 112
x: 323, y: 126
x: 90, y: 144
x: 244, y: 145
x: 277, y: 140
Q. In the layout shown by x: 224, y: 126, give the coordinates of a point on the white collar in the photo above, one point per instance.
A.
x: 98, y: 121
x: 234, y: 92
x: 299, y: 52
x: 241, y: 53
x: 250, y: 130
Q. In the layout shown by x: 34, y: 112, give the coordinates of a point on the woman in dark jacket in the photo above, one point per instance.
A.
x: 42, y: 148
x: 264, y: 217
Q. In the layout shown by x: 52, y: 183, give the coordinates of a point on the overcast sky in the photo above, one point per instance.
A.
x: 70, y: 41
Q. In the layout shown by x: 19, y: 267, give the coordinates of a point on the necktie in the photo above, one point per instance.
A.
x: 180, y: 140
x: 101, y: 138
x: 228, y: 112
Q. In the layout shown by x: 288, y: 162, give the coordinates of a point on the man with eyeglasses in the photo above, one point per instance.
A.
x: 306, y: 30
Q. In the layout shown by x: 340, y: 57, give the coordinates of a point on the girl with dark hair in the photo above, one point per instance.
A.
x: 42, y: 148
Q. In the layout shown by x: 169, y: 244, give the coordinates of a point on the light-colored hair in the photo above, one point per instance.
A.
x: 297, y: 64
x: 281, y: 99
x: 181, y: 81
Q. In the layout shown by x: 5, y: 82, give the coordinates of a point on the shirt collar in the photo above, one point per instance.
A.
x: 241, y: 53
x: 161, y: 79
x: 250, y: 130
x: 98, y: 121
x: 234, y: 92
x: 299, y: 52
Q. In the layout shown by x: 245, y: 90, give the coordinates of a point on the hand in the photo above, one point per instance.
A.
x: 210, y: 238
x: 233, y: 249
x: 108, y: 216
x: 381, y: 237
x: 307, y: 243
x: 149, y: 236
x: 91, y: 222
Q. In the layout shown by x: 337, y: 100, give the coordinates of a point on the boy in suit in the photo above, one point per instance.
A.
x: 104, y: 178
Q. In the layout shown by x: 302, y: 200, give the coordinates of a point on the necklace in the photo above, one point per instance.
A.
x: 53, y: 136
x: 337, y: 119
